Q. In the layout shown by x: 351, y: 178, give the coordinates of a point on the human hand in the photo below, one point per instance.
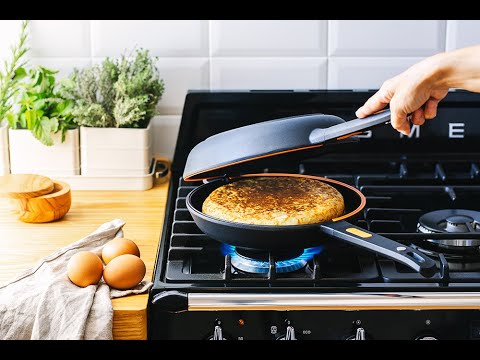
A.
x: 416, y: 91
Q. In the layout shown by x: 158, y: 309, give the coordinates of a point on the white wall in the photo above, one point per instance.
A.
x: 246, y: 54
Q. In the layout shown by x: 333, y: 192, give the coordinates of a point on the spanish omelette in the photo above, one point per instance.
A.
x: 279, y: 200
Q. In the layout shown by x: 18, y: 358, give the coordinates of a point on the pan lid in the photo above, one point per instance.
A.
x: 271, y: 142
x: 267, y: 142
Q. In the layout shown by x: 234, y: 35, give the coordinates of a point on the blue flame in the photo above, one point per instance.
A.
x: 261, y: 267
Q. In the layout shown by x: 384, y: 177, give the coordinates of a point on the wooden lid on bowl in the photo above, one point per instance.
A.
x: 25, y: 186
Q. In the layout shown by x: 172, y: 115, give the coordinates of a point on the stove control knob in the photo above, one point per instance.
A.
x: 289, y: 335
x: 426, y: 337
x: 359, y: 335
x: 217, y: 333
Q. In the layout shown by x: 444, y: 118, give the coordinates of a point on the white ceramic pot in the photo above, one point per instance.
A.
x: 115, y: 151
x: 4, y: 159
x: 28, y: 155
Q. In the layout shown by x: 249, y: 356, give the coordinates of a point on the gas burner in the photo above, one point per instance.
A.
x: 257, y: 262
x: 466, y: 260
x: 451, y: 221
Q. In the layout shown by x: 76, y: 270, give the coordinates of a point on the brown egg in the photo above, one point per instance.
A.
x: 84, y: 268
x: 124, y: 272
x: 117, y: 247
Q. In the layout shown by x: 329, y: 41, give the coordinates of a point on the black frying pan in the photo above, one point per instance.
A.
x: 232, y: 151
x: 291, y: 237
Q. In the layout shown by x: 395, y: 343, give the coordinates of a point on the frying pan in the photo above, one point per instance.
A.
x: 291, y: 237
x: 234, y: 150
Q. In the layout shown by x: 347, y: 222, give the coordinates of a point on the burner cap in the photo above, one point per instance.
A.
x: 451, y: 221
x: 459, y: 219
x: 259, y: 255
x: 257, y: 262
x: 458, y: 223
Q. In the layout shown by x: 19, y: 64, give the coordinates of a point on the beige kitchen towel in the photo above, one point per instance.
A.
x: 42, y: 303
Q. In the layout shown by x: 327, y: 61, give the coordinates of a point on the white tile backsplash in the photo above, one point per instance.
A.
x: 180, y: 75
x: 244, y: 54
x: 386, y: 37
x: 268, y: 37
x: 161, y: 37
x: 462, y: 33
x: 64, y: 66
x: 364, y: 73
x: 165, y: 130
x: 62, y: 38
x: 9, y: 32
x: 268, y: 73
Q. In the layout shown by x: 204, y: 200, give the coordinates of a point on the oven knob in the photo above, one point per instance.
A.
x: 217, y: 333
x: 359, y: 335
x: 289, y: 335
x: 426, y: 337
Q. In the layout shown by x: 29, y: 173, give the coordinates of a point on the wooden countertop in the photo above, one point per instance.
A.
x: 22, y: 244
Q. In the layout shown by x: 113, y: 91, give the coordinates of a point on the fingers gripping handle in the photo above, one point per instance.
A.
x: 318, y: 136
x: 381, y: 245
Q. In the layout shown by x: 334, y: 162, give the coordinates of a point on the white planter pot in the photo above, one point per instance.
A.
x: 28, y: 155
x: 4, y: 159
x: 115, y: 151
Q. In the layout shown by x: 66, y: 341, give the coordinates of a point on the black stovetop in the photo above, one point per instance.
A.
x: 400, y: 186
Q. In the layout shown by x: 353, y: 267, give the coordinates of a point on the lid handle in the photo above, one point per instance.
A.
x: 342, y: 130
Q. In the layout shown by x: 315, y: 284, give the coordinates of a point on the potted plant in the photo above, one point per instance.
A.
x: 114, y: 102
x: 9, y: 77
x: 43, y: 136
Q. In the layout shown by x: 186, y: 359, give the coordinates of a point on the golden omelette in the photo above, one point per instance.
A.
x: 275, y: 201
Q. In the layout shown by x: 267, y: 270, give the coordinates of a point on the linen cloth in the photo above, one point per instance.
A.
x: 42, y: 303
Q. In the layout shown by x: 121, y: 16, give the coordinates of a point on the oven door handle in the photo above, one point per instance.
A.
x: 356, y: 301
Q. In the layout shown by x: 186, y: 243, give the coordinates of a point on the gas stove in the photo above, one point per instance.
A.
x: 422, y: 190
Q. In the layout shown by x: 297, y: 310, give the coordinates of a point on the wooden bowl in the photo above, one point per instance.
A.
x: 24, y: 186
x: 46, y: 208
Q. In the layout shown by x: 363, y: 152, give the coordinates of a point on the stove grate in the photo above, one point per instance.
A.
x: 398, y: 191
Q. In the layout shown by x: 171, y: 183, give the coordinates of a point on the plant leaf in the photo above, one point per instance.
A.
x: 44, y: 129
x: 67, y: 107
x: 38, y: 78
x: 38, y: 104
x: 12, y: 120
x: 22, y: 120
x: 30, y: 118
x: 20, y: 73
x: 48, y: 71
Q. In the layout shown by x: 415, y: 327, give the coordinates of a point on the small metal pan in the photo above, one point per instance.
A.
x: 292, y: 237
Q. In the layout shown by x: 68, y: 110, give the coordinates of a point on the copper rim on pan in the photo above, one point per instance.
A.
x: 363, y: 200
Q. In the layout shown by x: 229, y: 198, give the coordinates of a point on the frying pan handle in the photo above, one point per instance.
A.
x: 381, y: 245
x: 341, y: 131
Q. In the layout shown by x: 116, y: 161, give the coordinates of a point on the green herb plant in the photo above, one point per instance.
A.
x: 13, y: 72
x: 41, y: 108
x: 116, y: 93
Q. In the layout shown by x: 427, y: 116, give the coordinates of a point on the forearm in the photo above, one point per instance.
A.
x: 418, y: 90
x: 458, y: 69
